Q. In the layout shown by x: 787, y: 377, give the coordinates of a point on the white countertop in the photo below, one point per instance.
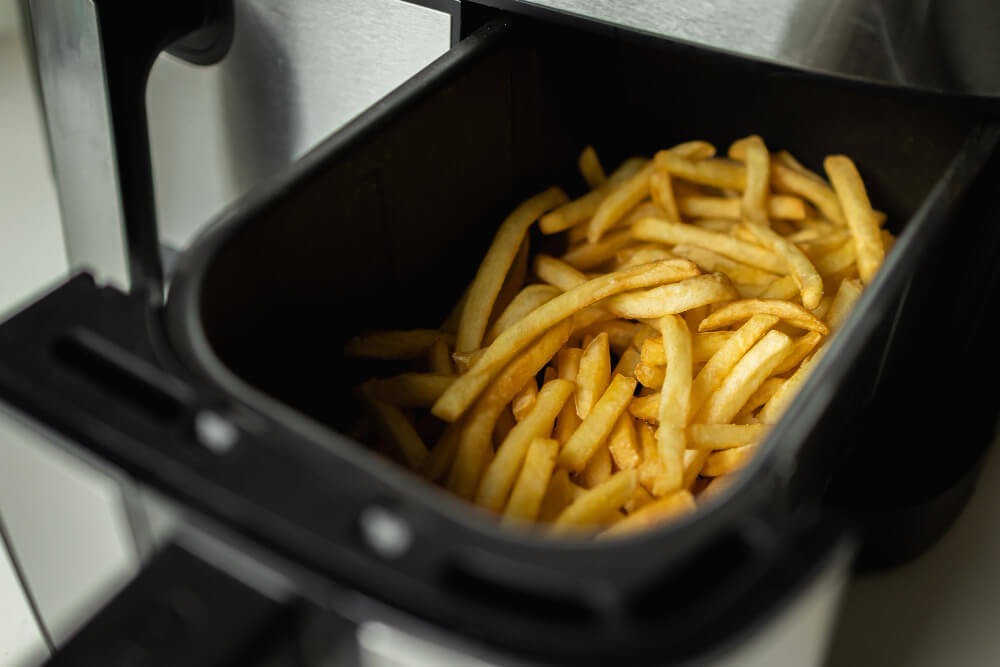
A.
x: 940, y: 610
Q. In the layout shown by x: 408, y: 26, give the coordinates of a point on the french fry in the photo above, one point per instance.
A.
x: 627, y: 363
x: 715, y: 371
x: 651, y: 229
x: 474, y: 439
x: 393, y: 345
x: 745, y: 378
x: 457, y: 398
x: 646, y: 407
x: 724, y: 436
x: 591, y: 508
x: 806, y: 277
x: 618, y: 202
x: 439, y: 358
x: 623, y: 443
x: 524, y: 400
x: 716, y: 225
x: 577, y: 234
x: 675, y: 402
x: 823, y: 308
x: 526, y: 498
x: 743, y: 309
x: 495, y: 266
x: 785, y: 207
x: 693, y: 150
x: 588, y: 255
x: 514, y: 281
x: 595, y: 429
x: 559, y: 494
x: 674, y: 298
x: 755, y: 195
x: 776, y: 407
x: 729, y: 460
x: 650, y: 376
x: 762, y: 395
x: 716, y: 487
x: 802, y: 347
x: 437, y: 463
x: 659, y: 511
x: 593, y: 376
x: 858, y: 212
x: 578, y: 210
x: 591, y: 169
x: 598, y: 468
x: 502, y: 472
x: 694, y: 461
x: 783, y: 288
x: 818, y: 193
x: 711, y: 171
x: 640, y: 498
x: 558, y: 273
x: 395, y: 426
x: 505, y: 424
x: 703, y: 346
x: 527, y: 300
x: 843, y: 303
x: 410, y: 390
x: 662, y: 192
x: 710, y: 262
x: 620, y: 333
x: 836, y: 261
x: 787, y: 159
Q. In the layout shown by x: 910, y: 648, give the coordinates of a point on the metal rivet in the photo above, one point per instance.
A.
x: 215, y: 432
x: 387, y: 534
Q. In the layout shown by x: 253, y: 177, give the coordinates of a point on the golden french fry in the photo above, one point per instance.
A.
x: 658, y: 511
x: 514, y: 281
x: 728, y: 460
x: 724, y: 436
x: 595, y: 429
x: 783, y: 289
x: 474, y: 440
x: 568, y: 363
x: 651, y: 229
x: 529, y: 490
x: 623, y: 443
x: 675, y: 402
x: 715, y: 371
x: 787, y: 159
x: 646, y: 407
x: 578, y: 233
x: 662, y: 192
x: 694, y: 461
x: 501, y: 473
x: 674, y: 298
x: 558, y: 273
x: 710, y: 262
x: 627, y: 363
x: 801, y: 348
x: 843, y: 303
x: 505, y: 424
x: 580, y: 209
x: 721, y: 173
x: 715, y: 225
x: 823, y: 308
x: 745, y: 378
x: 395, y: 426
x: 640, y: 498
x: 457, y: 398
x: 728, y: 210
x: 838, y: 260
x: 783, y: 397
x: 410, y: 390
x: 591, y: 508
x: 527, y: 300
x: 464, y: 360
x: 393, y: 345
x: 763, y: 395
x: 591, y: 169
x: 620, y: 333
x: 439, y: 460
x: 618, y: 202
x: 703, y: 346
x: 559, y: 494
x: 588, y: 255
x: 524, y: 400
x: 858, y: 211
x: 642, y: 254
x: 755, y: 194
x: 650, y: 376
x: 743, y: 309
x: 809, y: 282
x: 568, y: 421
x: 818, y: 193
x: 495, y: 266
x: 693, y: 150
x: 598, y: 468
x: 439, y: 358
x: 593, y: 376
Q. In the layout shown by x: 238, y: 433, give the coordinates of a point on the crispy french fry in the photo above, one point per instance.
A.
x: 501, y: 473
x: 694, y: 461
x: 395, y: 426
x: 591, y: 169
x: 495, y: 266
x: 580, y: 209
x: 529, y: 490
x: 858, y: 211
x: 505, y: 424
x: 787, y: 159
x: 474, y: 439
x: 715, y: 371
x: 823, y: 308
x: 514, y: 281
x: 559, y: 494
x: 527, y: 300
x: 640, y: 498
x: 674, y: 298
x: 809, y: 282
x: 710, y: 262
x: 836, y: 261
x: 818, y: 193
x: 524, y: 400
x: 651, y: 229
x: 755, y: 195
x: 457, y: 398
x: 591, y: 508
x: 623, y: 443
x: 787, y: 311
x: 724, y: 436
x: 593, y: 376
x: 693, y: 150
x: 588, y: 255
x: 620, y: 333
x: 801, y: 348
x: 650, y: 376
x: 646, y: 407
x: 558, y: 273
x: 783, y: 288
x: 393, y: 345
x: 703, y: 346
x: 716, y: 225
x: 618, y: 202
x: 783, y: 397
x: 627, y: 363
x: 729, y: 460
x: 578, y: 233
x: 726, y: 209
x: 762, y: 395
x: 675, y: 402
x: 662, y: 192
x: 721, y: 173
x: 410, y: 390
x: 843, y: 303
x: 656, y: 512
x: 595, y: 429
x: 745, y: 378
x: 439, y: 358
x: 598, y: 468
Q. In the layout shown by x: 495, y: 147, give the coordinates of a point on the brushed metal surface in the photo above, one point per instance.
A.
x: 296, y: 72
x: 938, y: 45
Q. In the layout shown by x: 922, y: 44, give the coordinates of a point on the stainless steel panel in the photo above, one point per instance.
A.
x: 295, y: 73
x: 943, y: 45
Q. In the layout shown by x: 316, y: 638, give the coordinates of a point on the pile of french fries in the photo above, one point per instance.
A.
x: 621, y: 384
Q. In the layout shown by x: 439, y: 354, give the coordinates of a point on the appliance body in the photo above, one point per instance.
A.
x: 380, y: 633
